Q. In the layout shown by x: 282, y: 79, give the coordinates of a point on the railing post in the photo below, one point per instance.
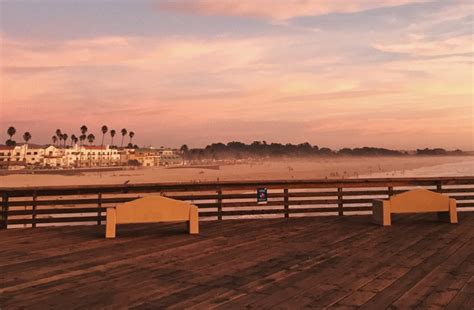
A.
x: 390, y: 191
x: 99, y: 211
x: 287, y: 204
x: 439, y: 187
x: 4, y: 222
x: 340, y: 205
x: 219, y: 204
x: 33, y: 216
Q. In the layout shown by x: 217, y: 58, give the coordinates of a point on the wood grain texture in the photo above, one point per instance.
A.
x: 335, y: 262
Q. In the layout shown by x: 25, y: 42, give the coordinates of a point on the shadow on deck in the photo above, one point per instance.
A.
x: 313, y: 261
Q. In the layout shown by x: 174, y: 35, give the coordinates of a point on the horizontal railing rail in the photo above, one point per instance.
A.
x: 29, y: 206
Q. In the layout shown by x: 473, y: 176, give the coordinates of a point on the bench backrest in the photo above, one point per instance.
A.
x: 152, y: 209
x: 419, y: 200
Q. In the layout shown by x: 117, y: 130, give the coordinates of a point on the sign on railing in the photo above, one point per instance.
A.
x: 262, y: 195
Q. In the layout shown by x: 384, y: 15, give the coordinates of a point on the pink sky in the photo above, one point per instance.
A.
x: 390, y: 73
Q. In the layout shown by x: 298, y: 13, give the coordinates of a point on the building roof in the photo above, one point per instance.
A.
x: 94, y: 147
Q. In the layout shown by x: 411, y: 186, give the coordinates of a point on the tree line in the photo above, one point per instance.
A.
x: 262, y: 149
x: 60, y: 138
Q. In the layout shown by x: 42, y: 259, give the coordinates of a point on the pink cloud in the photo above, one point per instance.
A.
x: 274, y: 9
x: 176, y: 90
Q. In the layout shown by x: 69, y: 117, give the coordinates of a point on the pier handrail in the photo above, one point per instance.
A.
x: 43, y: 204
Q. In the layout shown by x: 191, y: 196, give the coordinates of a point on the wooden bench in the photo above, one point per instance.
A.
x: 152, y: 209
x: 414, y: 201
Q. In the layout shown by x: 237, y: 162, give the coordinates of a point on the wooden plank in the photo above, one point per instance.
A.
x: 465, y: 298
x: 77, y: 201
x: 465, y: 204
x: 56, y: 220
x: 231, y: 264
x: 457, y: 190
x: 40, y: 211
x: 452, y: 271
x: 393, y: 292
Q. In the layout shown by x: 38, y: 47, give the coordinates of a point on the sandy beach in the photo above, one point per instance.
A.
x: 316, y: 168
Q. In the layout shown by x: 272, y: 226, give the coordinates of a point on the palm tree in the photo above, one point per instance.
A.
x: 10, y: 142
x: 124, y: 133
x: 11, y: 131
x: 27, y: 137
x: 104, y: 129
x: 82, y: 138
x: 73, y: 139
x: 55, y: 139
x: 59, y: 135
x: 131, y: 135
x: 91, y: 138
x: 112, y: 135
x: 65, y: 136
x: 83, y: 129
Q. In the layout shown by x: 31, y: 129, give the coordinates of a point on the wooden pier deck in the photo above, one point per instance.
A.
x: 340, y: 262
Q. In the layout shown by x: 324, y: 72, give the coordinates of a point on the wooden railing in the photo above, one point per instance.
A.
x: 30, y: 206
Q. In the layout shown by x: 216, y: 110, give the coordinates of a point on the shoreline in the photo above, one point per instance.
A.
x: 68, y: 171
x: 319, y: 168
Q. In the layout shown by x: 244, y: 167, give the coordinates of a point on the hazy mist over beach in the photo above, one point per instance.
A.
x: 344, y: 167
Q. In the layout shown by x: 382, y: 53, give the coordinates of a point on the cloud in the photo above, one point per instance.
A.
x: 417, y: 44
x: 327, y: 88
x: 274, y: 9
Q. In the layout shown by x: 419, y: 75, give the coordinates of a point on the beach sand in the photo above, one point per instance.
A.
x: 315, y: 168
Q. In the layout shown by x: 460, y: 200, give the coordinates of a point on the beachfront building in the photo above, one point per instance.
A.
x: 23, y: 155
x: 10, y: 156
x: 147, y: 157
x: 91, y: 156
x: 146, y: 160
x: 170, y: 157
x: 33, y: 154
x: 19, y: 155
x: 53, y: 157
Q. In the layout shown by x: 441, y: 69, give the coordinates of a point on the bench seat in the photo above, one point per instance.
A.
x: 152, y: 209
x: 414, y: 201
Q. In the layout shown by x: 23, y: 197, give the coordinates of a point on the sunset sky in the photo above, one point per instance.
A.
x: 388, y: 73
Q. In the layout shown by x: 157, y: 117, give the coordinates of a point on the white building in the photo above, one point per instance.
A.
x: 53, y: 157
x: 10, y: 155
x: 90, y: 156
x: 94, y: 156
x: 84, y: 156
x: 34, y: 155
